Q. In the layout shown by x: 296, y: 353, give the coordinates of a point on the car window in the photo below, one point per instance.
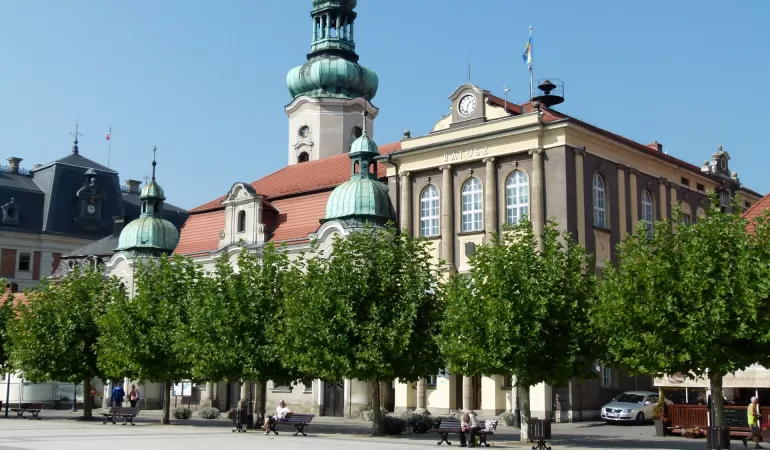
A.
x: 629, y: 398
x: 652, y: 399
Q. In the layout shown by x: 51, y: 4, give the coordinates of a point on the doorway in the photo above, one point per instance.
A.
x: 334, y: 399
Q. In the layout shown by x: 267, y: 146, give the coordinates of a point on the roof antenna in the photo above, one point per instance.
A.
x: 505, y: 97
x: 154, y: 149
x: 75, y: 135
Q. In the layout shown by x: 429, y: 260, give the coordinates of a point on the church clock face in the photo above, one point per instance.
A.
x: 467, y: 105
x: 91, y: 209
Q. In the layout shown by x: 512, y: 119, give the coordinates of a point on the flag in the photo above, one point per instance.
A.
x: 108, y: 135
x: 527, y: 56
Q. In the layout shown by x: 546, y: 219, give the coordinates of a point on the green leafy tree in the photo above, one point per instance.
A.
x: 368, y: 313
x: 147, y: 337
x: 526, y: 308
x: 234, y: 323
x: 55, y: 334
x: 692, y: 299
x: 6, y: 316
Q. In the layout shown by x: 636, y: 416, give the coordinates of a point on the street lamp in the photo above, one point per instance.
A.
x: 75, y: 397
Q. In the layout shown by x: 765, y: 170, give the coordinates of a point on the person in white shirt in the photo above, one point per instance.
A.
x: 281, y: 413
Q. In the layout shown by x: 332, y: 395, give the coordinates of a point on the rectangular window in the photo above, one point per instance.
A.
x: 431, y: 380
x: 685, y: 181
x: 686, y: 219
x: 25, y: 262
x: 607, y: 378
x: 278, y: 386
x: 700, y: 187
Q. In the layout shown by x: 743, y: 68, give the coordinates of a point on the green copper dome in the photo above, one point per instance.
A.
x: 150, y: 234
x: 332, y: 69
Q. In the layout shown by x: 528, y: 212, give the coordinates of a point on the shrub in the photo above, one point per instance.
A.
x: 367, y: 414
x: 182, y: 413
x: 507, y: 418
x: 394, y: 425
x: 418, y: 423
x: 209, y: 413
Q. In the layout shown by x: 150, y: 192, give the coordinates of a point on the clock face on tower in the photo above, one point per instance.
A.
x: 467, y: 105
x: 91, y: 209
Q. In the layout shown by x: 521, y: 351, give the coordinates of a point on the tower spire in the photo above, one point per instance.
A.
x: 154, y: 149
x: 75, y: 135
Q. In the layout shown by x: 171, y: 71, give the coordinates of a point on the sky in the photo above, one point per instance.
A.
x: 205, y: 81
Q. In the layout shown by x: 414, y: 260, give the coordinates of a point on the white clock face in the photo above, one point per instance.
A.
x: 91, y: 209
x: 467, y: 105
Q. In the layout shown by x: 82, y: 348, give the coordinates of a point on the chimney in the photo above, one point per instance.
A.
x: 656, y: 146
x: 133, y: 186
x: 117, y: 225
x: 13, y: 164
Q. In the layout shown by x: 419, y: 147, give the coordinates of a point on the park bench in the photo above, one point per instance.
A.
x: 452, y: 426
x: 126, y: 413
x: 32, y: 408
x: 298, y: 421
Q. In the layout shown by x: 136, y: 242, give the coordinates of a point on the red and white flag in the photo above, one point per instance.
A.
x: 108, y: 135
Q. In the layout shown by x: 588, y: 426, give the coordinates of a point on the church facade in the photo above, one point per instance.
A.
x: 487, y: 163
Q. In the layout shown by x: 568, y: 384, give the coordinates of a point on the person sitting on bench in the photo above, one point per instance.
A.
x: 468, y: 424
x: 281, y: 414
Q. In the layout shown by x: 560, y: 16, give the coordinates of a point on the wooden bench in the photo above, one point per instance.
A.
x: 126, y: 413
x: 32, y: 408
x: 298, y: 421
x: 452, y: 426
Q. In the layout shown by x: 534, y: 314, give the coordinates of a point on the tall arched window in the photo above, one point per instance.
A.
x: 725, y: 200
x: 600, y: 202
x: 241, y: 221
x: 647, y: 209
x: 472, y: 204
x: 429, y: 211
x: 516, y: 197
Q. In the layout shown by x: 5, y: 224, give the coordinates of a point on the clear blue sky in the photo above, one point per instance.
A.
x: 205, y: 80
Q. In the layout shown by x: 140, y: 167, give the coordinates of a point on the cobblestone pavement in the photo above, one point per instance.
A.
x: 61, y: 430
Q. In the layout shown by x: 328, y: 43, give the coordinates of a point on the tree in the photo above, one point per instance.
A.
x: 527, y: 309
x: 6, y: 316
x: 692, y: 299
x: 233, y: 325
x: 148, y: 337
x: 55, y: 334
x: 369, y: 312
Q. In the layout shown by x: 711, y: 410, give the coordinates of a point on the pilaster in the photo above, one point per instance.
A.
x: 406, y: 202
x: 422, y: 403
x: 490, y: 198
x: 467, y: 393
x: 447, y: 222
x: 580, y: 196
x: 622, y: 199
x: 663, y: 184
x: 538, y: 195
x: 634, y: 199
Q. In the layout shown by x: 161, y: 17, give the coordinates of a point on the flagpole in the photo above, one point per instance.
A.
x: 531, y: 72
x: 109, y: 146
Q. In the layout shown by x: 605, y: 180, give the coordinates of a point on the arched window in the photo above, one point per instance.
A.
x: 647, y: 209
x: 516, y: 197
x: 241, y: 221
x: 303, y: 157
x: 429, y: 211
x: 472, y: 204
x: 600, y: 202
x: 725, y: 200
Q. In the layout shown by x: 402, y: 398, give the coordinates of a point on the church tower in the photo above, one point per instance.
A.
x: 331, y: 90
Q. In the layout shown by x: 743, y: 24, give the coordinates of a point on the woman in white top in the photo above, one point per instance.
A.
x: 281, y: 413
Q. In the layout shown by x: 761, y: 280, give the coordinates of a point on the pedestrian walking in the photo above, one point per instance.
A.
x: 118, y: 394
x: 133, y: 395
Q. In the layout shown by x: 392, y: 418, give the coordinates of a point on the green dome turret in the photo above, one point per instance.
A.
x: 150, y: 234
x: 332, y: 70
x: 363, y: 198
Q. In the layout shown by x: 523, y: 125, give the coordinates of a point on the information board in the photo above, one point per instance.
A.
x: 736, y: 417
x: 183, y: 389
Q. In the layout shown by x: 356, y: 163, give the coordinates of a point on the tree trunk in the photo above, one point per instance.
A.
x: 107, y: 395
x: 378, y: 424
x: 87, y: 414
x: 165, y: 418
x: 525, y: 412
x: 717, y: 399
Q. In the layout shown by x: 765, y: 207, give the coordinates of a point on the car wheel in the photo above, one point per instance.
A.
x: 640, y: 418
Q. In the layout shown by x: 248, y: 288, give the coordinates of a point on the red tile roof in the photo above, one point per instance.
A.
x: 757, y: 209
x: 17, y: 298
x: 299, y: 192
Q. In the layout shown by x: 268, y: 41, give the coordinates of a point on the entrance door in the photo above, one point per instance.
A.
x: 476, y: 399
x: 334, y: 399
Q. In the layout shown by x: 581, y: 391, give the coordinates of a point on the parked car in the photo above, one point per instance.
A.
x: 632, y: 406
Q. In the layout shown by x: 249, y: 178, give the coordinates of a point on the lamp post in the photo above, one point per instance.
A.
x: 75, y: 397
x: 7, y: 391
x: 249, y: 410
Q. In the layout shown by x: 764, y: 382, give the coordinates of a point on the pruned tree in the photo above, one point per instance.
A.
x: 147, y: 337
x: 6, y: 316
x: 369, y: 312
x: 691, y: 299
x: 526, y: 308
x: 55, y: 334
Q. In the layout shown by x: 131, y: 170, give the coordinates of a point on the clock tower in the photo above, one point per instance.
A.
x: 331, y: 90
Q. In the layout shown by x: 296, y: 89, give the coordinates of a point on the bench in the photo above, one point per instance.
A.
x: 452, y: 426
x: 298, y: 421
x: 32, y: 408
x: 127, y: 413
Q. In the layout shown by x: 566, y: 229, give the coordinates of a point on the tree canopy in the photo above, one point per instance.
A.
x: 6, y: 316
x: 692, y: 299
x: 370, y: 312
x: 526, y: 308
x: 55, y: 334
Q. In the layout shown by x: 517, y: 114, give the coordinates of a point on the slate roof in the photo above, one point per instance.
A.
x: 20, y: 182
x: 103, y: 247
x: 76, y: 160
x: 298, y: 192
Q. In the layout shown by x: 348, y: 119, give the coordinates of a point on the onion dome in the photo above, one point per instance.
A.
x: 150, y: 234
x: 332, y: 70
x: 363, y: 198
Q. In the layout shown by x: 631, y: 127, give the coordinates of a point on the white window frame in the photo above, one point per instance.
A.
x: 600, y: 201
x: 472, y: 205
x: 648, y: 211
x: 241, y: 213
x: 687, y: 218
x: 31, y: 262
x: 430, y: 211
x: 725, y: 200
x: 608, y: 377
x: 516, y: 197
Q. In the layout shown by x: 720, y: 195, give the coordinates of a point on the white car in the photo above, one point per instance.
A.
x: 632, y: 406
